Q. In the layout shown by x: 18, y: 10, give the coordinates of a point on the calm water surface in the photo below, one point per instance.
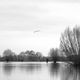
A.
x: 38, y: 71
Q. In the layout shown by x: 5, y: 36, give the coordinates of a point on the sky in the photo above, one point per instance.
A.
x: 35, y: 24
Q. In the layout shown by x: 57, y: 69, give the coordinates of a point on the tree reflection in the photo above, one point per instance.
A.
x: 29, y: 68
x: 54, y: 69
x: 64, y: 71
x: 70, y: 72
x: 7, y: 68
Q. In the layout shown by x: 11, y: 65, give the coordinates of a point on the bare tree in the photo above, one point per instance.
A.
x: 70, y: 41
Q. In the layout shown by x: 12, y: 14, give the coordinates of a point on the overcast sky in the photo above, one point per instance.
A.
x: 20, y: 21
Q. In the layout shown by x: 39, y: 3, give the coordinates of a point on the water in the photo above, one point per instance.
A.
x: 38, y: 71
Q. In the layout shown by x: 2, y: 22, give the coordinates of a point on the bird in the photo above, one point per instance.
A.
x: 36, y: 31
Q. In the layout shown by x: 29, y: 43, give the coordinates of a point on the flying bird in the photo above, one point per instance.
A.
x: 36, y: 31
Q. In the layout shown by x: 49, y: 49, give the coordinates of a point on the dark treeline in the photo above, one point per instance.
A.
x: 8, y: 55
x: 69, y: 50
x: 54, y: 55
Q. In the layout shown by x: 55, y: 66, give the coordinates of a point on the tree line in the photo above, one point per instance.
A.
x: 68, y: 51
x: 9, y: 55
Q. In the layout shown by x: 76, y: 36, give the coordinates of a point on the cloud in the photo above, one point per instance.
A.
x: 26, y: 14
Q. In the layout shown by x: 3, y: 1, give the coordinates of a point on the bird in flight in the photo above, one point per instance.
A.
x: 36, y: 31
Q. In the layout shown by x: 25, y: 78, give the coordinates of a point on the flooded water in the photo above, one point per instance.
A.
x: 38, y: 71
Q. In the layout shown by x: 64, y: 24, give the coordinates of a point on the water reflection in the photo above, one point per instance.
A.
x: 71, y: 73
x: 54, y: 69
x: 58, y: 71
x: 64, y: 72
x: 7, y: 68
x: 30, y: 68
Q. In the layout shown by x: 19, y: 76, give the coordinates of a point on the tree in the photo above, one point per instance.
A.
x: 21, y: 56
x: 70, y: 42
x: 8, y: 52
x: 9, y: 55
x: 54, y: 54
x: 38, y: 54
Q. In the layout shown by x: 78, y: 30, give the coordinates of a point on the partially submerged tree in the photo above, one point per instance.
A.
x: 70, y: 44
